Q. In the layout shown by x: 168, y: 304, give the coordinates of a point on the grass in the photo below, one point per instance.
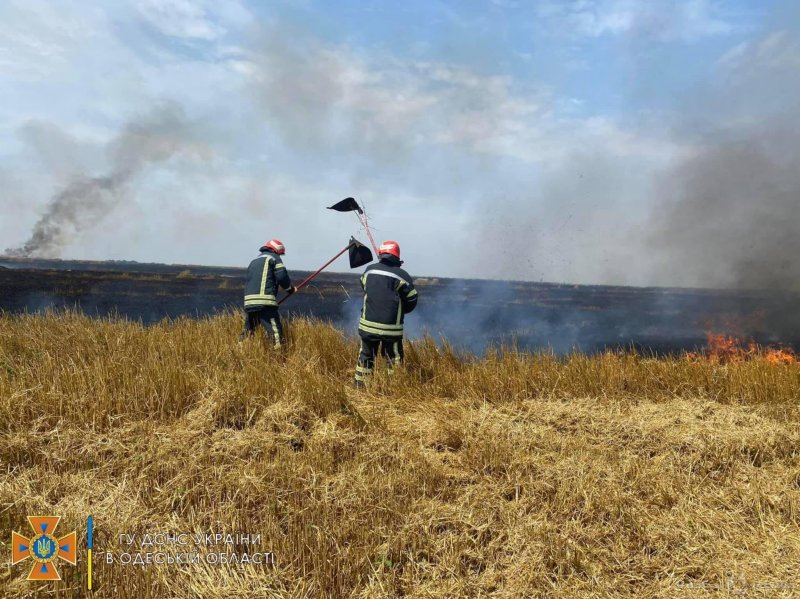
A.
x: 512, y: 475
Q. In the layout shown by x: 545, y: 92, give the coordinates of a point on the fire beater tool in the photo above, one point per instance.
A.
x: 350, y: 205
x: 358, y: 254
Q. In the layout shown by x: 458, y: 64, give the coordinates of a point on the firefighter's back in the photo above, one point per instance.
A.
x: 388, y: 295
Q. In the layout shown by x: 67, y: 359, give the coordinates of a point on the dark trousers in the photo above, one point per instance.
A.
x: 267, y: 317
x: 391, y: 348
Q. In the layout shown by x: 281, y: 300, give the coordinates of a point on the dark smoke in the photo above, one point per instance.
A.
x: 728, y: 215
x: 733, y: 221
x: 73, y: 210
x: 86, y: 200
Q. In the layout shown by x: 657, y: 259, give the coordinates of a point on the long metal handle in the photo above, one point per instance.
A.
x: 362, y: 218
x: 312, y: 275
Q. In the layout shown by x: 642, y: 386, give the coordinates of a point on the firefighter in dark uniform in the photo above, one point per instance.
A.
x: 264, y: 275
x: 389, y: 295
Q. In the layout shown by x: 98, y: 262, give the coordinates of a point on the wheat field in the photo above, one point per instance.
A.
x: 508, y: 475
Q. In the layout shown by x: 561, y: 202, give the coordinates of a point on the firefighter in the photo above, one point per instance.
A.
x: 389, y: 295
x: 264, y: 275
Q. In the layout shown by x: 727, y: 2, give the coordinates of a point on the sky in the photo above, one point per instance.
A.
x: 579, y: 141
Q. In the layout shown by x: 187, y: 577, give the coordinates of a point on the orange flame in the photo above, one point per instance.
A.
x: 780, y: 356
x: 723, y: 349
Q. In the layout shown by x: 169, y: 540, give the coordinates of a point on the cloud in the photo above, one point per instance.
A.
x: 325, y: 98
x: 776, y: 50
x: 35, y: 39
x: 664, y: 20
x: 487, y: 155
x: 185, y: 19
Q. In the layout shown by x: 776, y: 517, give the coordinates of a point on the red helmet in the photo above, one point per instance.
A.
x: 390, y: 247
x: 273, y: 245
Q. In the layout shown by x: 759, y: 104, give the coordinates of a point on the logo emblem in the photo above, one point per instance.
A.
x: 43, y: 548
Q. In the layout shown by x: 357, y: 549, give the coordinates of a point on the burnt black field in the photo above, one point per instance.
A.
x: 470, y: 314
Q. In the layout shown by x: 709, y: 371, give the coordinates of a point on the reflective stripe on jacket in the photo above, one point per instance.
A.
x: 389, y: 295
x: 264, y: 275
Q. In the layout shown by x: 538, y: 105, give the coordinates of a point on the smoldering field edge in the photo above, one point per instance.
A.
x: 469, y: 313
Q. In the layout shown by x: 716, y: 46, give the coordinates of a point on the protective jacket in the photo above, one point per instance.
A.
x: 389, y: 295
x: 264, y: 275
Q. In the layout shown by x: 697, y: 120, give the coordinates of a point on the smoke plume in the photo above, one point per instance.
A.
x: 733, y: 222
x: 728, y: 215
x: 86, y: 200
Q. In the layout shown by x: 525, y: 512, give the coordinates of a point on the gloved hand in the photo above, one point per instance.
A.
x: 291, y: 290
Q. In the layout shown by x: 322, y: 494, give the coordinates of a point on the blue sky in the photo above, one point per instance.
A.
x: 502, y: 138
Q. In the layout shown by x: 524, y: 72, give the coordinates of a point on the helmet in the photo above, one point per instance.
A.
x: 390, y: 247
x: 273, y: 245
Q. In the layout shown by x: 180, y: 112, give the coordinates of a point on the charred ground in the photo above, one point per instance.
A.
x: 470, y: 314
